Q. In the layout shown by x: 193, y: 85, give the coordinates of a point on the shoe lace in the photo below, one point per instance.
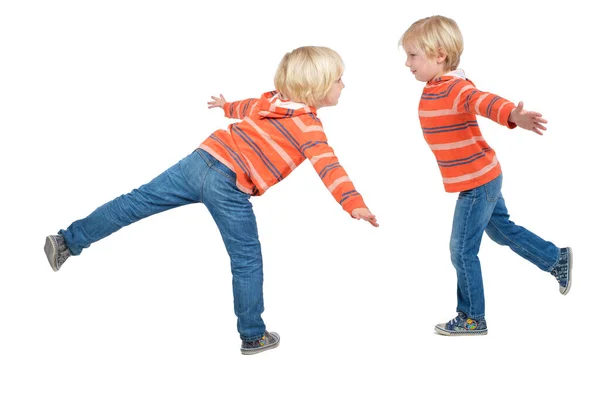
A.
x: 455, y: 320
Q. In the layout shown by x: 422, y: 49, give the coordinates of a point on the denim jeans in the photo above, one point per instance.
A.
x: 483, y: 209
x: 198, y: 178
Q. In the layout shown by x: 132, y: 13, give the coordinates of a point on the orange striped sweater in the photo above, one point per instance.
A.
x: 273, y: 137
x: 447, y: 112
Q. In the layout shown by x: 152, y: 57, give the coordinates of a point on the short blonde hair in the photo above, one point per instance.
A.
x: 432, y: 34
x: 306, y: 74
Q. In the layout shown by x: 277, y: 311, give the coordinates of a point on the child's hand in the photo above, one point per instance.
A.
x: 364, y: 213
x: 530, y: 120
x: 217, y: 102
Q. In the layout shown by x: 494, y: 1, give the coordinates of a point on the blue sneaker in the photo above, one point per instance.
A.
x: 562, y: 270
x: 462, y: 326
x: 268, y: 341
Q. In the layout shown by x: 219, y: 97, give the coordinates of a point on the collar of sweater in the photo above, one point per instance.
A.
x: 273, y: 105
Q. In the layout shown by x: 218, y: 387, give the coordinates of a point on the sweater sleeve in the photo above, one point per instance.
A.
x: 239, y: 109
x: 316, y: 149
x: 473, y: 101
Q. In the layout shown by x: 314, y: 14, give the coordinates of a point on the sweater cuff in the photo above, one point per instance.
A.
x: 353, y: 203
x: 226, y: 107
x: 505, y: 114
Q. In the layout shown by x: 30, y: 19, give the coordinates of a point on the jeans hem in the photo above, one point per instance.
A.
x: 478, y: 318
x: 71, y: 252
x: 481, y: 318
x: 557, y: 261
x: 252, y: 338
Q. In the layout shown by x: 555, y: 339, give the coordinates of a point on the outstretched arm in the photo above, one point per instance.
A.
x: 472, y: 100
x: 530, y: 120
x: 326, y: 164
x: 236, y: 109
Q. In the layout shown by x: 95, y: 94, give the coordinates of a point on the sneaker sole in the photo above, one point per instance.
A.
x: 51, y: 250
x: 249, y: 352
x: 566, y: 290
x: 445, y: 332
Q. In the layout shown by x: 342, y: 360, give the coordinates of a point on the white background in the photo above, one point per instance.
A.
x: 97, y: 98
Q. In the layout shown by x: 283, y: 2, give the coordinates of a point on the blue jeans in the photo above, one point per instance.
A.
x: 198, y: 178
x: 483, y: 209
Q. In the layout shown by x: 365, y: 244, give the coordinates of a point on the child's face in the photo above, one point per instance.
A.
x: 334, y: 93
x: 423, y: 67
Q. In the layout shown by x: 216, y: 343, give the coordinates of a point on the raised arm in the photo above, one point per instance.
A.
x: 236, y: 109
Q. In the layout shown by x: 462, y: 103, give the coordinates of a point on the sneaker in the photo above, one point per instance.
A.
x: 56, y: 250
x: 268, y: 341
x: 462, y: 326
x: 562, y: 271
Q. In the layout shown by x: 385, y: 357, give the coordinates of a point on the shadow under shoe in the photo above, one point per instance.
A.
x: 56, y: 251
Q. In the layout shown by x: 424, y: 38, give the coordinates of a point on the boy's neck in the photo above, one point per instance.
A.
x: 457, y: 72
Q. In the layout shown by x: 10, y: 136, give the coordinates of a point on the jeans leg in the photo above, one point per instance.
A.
x: 232, y: 211
x: 528, y: 245
x: 473, y: 210
x: 168, y: 190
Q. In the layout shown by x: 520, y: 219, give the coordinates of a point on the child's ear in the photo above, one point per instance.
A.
x: 441, y: 57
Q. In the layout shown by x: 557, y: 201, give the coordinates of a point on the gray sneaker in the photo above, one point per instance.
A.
x: 56, y: 250
x: 562, y: 270
x: 268, y: 341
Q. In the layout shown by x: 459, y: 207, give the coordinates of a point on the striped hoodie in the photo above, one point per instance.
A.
x: 273, y: 137
x: 447, y: 111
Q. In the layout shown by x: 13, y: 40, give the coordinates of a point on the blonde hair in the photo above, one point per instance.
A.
x: 434, y: 34
x: 306, y: 74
